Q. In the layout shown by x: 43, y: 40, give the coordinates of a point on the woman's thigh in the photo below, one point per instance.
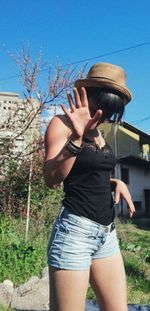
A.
x: 107, y: 278
x: 68, y: 289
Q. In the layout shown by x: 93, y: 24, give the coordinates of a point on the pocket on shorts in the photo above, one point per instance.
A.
x: 63, y: 226
x: 58, y: 233
x: 112, y: 239
x: 52, y: 237
x: 78, y: 230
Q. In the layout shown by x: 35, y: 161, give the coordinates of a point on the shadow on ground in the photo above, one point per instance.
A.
x: 92, y: 306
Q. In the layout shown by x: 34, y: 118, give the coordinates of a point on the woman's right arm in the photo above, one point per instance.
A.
x: 58, y: 160
x: 74, y: 124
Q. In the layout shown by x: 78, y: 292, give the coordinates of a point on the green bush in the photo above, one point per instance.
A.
x: 20, y: 260
x: 3, y: 308
x: 14, y: 191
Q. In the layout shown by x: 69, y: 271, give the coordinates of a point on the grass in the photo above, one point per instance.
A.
x: 136, y: 254
x: 20, y: 260
x: 135, y: 247
x: 3, y: 308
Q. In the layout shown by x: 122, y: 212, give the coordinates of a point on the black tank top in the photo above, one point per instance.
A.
x: 87, y: 187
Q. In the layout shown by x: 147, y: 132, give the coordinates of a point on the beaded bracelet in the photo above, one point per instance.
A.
x: 72, y: 147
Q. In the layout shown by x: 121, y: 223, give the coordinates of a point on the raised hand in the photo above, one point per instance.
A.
x: 79, y: 113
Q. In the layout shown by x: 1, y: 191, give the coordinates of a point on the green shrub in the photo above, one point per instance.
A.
x: 20, y: 260
x: 3, y: 308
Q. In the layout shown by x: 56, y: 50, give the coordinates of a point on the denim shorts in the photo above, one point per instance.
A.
x: 75, y: 241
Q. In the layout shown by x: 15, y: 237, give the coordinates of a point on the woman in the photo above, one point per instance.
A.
x: 83, y: 246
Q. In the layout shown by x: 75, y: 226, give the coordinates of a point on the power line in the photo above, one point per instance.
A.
x: 89, y: 59
x: 141, y: 120
x: 112, y: 52
x: 10, y: 78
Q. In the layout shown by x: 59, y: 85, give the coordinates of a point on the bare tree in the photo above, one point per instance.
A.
x: 21, y: 137
x: 23, y: 123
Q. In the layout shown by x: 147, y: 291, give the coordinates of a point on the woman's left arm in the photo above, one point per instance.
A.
x: 121, y: 190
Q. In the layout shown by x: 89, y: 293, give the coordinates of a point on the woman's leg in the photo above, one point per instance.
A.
x: 107, y: 278
x: 68, y: 289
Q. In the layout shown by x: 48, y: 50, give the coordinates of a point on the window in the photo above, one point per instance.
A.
x: 125, y: 175
x: 138, y: 205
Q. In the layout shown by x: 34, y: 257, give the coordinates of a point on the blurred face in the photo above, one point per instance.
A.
x: 112, y: 105
x: 106, y: 115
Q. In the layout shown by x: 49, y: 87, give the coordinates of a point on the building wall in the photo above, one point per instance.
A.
x: 139, y: 179
x: 15, y: 114
x: 8, y: 103
x: 122, y: 141
x: 128, y: 143
x: 14, y: 122
x: 125, y: 143
x: 108, y: 131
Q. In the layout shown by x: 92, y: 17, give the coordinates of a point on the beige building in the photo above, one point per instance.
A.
x: 19, y: 125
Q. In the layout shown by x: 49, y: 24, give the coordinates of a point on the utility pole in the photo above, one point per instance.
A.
x: 29, y: 197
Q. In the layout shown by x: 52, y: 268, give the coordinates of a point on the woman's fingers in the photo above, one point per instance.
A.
x: 117, y: 197
x: 97, y: 115
x: 83, y: 101
x: 84, y: 97
x: 66, y: 111
x: 130, y: 204
x: 79, y: 102
x: 131, y: 208
x: 71, y: 103
x: 95, y: 120
x: 122, y: 191
x: 77, y: 98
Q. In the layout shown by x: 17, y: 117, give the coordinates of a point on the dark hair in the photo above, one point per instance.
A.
x: 111, y: 102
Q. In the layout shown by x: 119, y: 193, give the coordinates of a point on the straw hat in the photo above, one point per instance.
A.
x: 105, y: 75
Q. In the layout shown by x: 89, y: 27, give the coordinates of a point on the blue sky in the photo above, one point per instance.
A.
x: 76, y: 30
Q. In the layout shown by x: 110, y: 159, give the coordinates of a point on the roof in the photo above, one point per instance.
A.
x: 9, y: 94
x: 136, y: 130
x: 135, y: 161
